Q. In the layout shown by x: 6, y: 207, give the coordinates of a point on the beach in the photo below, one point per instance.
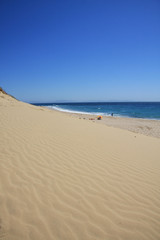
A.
x: 137, y: 125
x: 64, y: 177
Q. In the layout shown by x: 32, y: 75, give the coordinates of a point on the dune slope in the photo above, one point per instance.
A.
x: 63, y: 178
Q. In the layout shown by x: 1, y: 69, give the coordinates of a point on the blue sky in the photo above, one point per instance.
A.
x: 80, y: 50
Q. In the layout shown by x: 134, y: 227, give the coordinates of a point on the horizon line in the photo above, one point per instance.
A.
x: 124, y: 101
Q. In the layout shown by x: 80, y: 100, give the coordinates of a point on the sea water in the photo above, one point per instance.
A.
x: 146, y: 110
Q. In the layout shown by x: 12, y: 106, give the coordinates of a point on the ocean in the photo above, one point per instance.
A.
x: 145, y: 110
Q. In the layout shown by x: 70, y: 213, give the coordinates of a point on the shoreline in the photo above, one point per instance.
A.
x: 147, y: 127
x: 95, y: 114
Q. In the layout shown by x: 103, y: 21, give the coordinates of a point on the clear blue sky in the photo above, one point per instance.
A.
x: 80, y: 50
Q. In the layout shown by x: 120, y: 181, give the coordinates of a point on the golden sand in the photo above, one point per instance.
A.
x: 137, y: 125
x: 64, y: 178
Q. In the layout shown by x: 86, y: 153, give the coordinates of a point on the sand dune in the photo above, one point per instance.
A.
x: 64, y: 178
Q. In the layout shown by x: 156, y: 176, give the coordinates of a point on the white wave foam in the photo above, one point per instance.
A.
x: 77, y: 112
x: 94, y: 113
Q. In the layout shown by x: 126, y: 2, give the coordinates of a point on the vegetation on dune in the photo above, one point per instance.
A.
x: 4, y: 92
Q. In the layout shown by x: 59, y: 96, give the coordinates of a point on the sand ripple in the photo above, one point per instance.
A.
x: 63, y: 178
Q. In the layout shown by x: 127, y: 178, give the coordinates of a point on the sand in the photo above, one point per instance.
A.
x: 137, y: 125
x: 65, y: 178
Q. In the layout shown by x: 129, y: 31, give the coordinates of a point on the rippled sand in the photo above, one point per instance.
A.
x: 65, y: 178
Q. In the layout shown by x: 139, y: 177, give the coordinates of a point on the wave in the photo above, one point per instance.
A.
x: 95, y: 113
x: 149, y: 111
x: 78, y: 112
